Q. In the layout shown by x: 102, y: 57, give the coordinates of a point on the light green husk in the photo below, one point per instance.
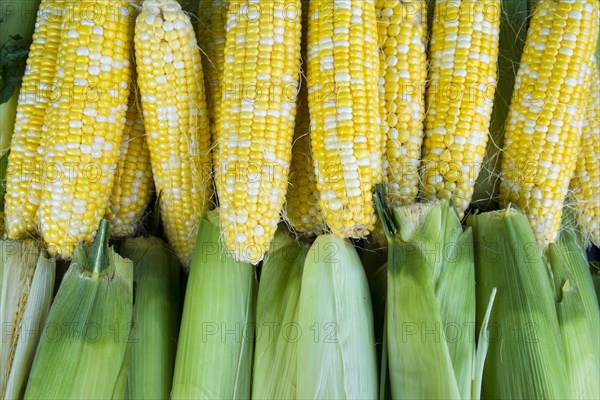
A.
x: 156, y: 318
x: 84, y: 349
x: 214, y: 353
x: 275, y: 354
x: 430, y: 312
x: 27, y: 278
x: 336, y: 343
x: 525, y: 358
x: 578, y: 314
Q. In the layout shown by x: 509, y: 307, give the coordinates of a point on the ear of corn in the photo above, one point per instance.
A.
x: 24, y: 175
x: 83, y: 351
x: 176, y: 120
x: 156, y: 313
x: 214, y: 353
x: 133, y: 185
x: 578, y: 314
x: 543, y: 130
x: 27, y: 279
x: 212, y: 15
x: 302, y: 209
x: 84, y: 125
x: 275, y: 366
x: 402, y: 39
x: 345, y: 135
x: 254, y: 146
x: 525, y: 356
x: 335, y: 325
x: 16, y: 31
x: 513, y: 32
x: 462, y: 81
x: 430, y: 312
x: 585, y: 185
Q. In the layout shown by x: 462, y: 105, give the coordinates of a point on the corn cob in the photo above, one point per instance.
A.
x: 212, y: 16
x: 346, y: 139
x: 176, y: 119
x: 254, y: 146
x: 543, y: 129
x: 302, y: 210
x: 133, y: 181
x: 464, y: 51
x: 84, y: 125
x: 403, y: 62
x: 586, y: 181
x: 23, y: 179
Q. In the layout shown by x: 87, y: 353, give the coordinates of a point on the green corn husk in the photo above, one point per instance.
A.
x: 84, y: 349
x: 525, y: 358
x: 336, y: 343
x: 275, y: 355
x: 27, y: 277
x: 214, y: 353
x: 513, y: 31
x: 156, y: 318
x: 430, y: 314
x: 578, y: 314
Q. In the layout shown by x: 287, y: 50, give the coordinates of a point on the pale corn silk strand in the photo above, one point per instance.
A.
x: 544, y: 126
x: 462, y: 81
x: 25, y: 162
x: 343, y: 96
x: 256, y: 126
x: 176, y: 119
x: 84, y: 124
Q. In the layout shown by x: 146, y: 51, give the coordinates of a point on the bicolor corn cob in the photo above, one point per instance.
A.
x: 84, y: 125
x: 543, y: 130
x: 462, y: 82
x: 212, y: 16
x: 302, y: 209
x: 176, y: 120
x: 258, y: 109
x: 586, y: 181
x: 133, y: 181
x: 346, y: 137
x: 402, y: 38
x: 23, y: 178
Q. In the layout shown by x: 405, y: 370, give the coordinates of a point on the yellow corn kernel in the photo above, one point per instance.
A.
x: 462, y: 82
x: 345, y: 135
x: 23, y: 178
x: 133, y: 181
x: 85, y: 123
x: 176, y: 120
x: 254, y: 146
x: 402, y: 39
x: 586, y: 181
x: 543, y: 130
